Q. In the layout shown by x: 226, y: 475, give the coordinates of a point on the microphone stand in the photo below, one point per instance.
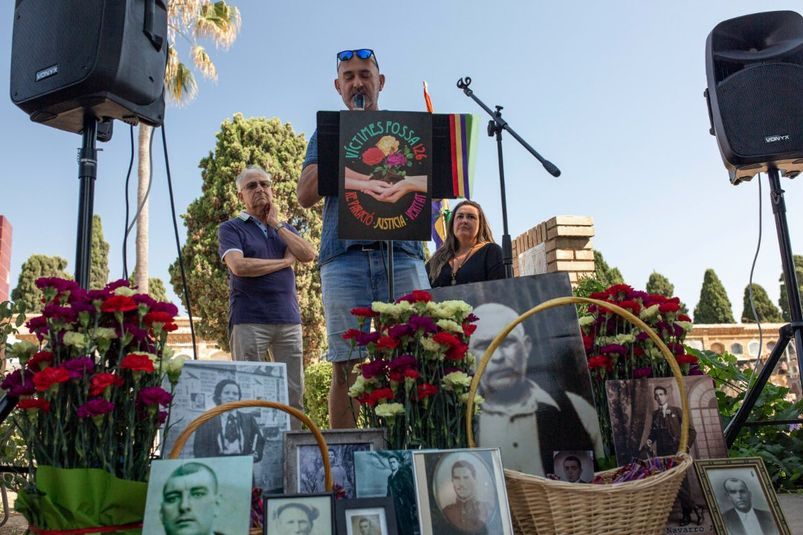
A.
x: 495, y: 127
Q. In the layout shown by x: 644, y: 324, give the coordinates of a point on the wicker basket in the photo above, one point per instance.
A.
x: 541, y: 506
x: 225, y: 407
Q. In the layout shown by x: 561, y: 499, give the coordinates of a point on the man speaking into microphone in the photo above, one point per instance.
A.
x: 353, y: 272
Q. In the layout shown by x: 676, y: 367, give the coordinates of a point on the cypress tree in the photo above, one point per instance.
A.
x: 714, y: 305
x: 765, y: 309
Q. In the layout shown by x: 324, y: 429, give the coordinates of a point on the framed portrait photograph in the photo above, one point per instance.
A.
x: 646, y: 420
x: 303, y: 467
x: 253, y: 431
x: 366, y: 516
x: 299, y: 514
x: 390, y: 473
x: 574, y: 466
x: 208, y: 495
x: 537, y: 387
x: 461, y: 491
x: 740, y: 496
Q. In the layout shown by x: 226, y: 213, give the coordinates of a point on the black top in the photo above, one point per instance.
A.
x: 484, y: 265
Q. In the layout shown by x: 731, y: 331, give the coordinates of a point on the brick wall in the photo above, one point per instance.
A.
x: 564, y: 241
x: 5, y: 258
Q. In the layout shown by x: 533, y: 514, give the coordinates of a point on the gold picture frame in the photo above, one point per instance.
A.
x: 739, y: 491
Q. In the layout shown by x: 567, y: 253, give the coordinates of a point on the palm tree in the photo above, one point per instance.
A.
x: 193, y: 20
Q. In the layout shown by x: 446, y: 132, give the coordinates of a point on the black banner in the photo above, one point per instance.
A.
x: 385, y: 175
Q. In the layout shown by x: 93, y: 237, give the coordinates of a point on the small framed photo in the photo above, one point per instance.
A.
x: 461, y: 491
x: 366, y: 516
x: 303, y: 470
x: 307, y: 514
x: 211, y: 495
x: 574, y: 466
x: 740, y: 496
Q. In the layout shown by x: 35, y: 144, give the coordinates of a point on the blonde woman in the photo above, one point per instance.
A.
x: 469, y: 253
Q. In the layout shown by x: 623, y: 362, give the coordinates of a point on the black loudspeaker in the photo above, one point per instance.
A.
x: 107, y: 58
x: 754, y: 66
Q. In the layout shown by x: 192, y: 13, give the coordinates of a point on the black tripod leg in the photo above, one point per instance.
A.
x: 750, y: 398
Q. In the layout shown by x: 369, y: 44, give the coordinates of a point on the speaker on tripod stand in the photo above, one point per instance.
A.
x: 754, y: 66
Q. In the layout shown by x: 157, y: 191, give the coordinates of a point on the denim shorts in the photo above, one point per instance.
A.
x: 357, y: 279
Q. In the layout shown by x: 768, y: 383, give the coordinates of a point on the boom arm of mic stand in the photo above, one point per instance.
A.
x: 464, y: 83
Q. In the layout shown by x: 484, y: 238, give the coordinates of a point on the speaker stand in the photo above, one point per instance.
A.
x: 495, y: 127
x: 87, y: 172
x: 788, y: 331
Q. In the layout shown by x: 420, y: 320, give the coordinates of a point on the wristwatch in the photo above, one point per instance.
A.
x: 279, y: 226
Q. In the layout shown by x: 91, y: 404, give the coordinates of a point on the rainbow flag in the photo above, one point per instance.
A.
x: 463, y: 131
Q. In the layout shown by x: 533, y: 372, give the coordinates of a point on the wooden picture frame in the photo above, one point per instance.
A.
x: 740, y: 484
x: 366, y: 516
x: 303, y: 466
x: 316, y: 510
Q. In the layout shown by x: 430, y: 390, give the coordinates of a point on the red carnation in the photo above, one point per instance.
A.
x: 101, y: 381
x: 416, y: 296
x: 38, y: 359
x: 34, y: 403
x: 446, y: 338
x: 364, y: 312
x: 456, y: 352
x: 426, y: 390
x: 157, y: 316
x: 683, y: 317
x: 351, y: 334
x: 50, y: 377
x: 118, y: 303
x: 137, y: 363
x: 469, y: 328
x: 387, y: 342
x: 669, y: 306
x: 380, y: 394
x: 410, y: 373
x: 686, y: 359
x: 169, y: 327
x: 632, y: 306
x: 599, y: 361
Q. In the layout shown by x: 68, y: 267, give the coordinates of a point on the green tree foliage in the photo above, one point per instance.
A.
x: 99, y: 267
x: 605, y: 274
x: 659, y: 284
x: 37, y: 265
x: 275, y: 147
x: 780, y: 447
x: 156, y: 287
x: 317, y: 380
x: 783, y: 300
x: 714, y: 305
x: 765, y: 309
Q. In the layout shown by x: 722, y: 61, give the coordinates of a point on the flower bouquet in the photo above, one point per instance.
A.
x: 90, y: 405
x: 617, y: 349
x: 415, y: 382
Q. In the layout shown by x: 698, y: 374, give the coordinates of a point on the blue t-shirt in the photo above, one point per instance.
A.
x: 331, y: 245
x: 268, y: 298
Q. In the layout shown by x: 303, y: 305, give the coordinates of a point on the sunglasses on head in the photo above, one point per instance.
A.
x: 362, y: 53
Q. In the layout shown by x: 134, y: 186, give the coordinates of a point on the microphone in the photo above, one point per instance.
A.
x: 358, y: 101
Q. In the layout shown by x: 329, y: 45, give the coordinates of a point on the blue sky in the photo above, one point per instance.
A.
x: 611, y: 92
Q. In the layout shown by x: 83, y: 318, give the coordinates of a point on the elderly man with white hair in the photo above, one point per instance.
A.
x: 260, y: 250
x: 518, y: 416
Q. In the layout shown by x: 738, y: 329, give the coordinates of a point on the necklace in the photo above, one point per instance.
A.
x: 462, y: 263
